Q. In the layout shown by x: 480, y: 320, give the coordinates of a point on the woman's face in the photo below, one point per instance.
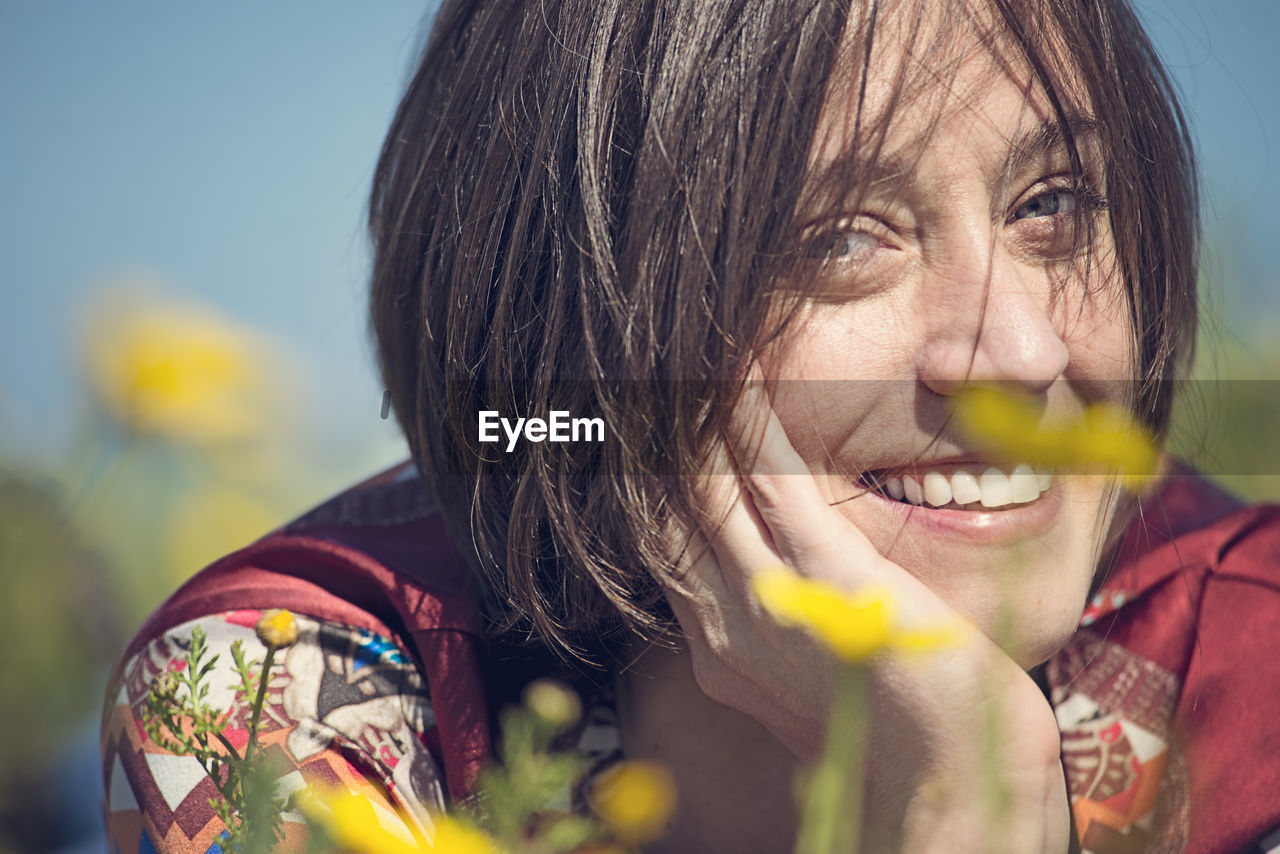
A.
x: 956, y: 265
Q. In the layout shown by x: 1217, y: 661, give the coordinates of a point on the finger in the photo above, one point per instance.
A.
x: 711, y: 494
x: 782, y: 489
x: 733, y: 528
x: 698, y: 591
x: 773, y: 470
x: 691, y: 554
x: 715, y: 486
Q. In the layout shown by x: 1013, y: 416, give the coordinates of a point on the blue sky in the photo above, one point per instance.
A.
x: 225, y: 151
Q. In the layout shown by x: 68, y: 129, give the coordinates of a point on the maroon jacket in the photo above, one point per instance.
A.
x: 1167, y: 696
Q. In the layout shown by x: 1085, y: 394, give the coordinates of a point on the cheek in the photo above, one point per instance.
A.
x: 1098, y: 331
x: 837, y: 341
x: 835, y: 372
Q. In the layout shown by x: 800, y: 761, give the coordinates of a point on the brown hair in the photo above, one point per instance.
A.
x: 584, y: 205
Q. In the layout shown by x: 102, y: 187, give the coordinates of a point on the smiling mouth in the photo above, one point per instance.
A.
x: 960, y: 486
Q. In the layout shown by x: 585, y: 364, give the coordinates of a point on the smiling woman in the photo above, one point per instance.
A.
x: 770, y: 246
x: 983, y: 256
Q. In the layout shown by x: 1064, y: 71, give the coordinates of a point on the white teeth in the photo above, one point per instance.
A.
x: 964, y: 488
x: 937, y: 491
x: 894, y: 488
x: 996, y: 491
x: 992, y: 489
x: 912, y: 489
x: 1022, y: 484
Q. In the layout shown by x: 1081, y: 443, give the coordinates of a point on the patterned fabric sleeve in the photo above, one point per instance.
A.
x: 345, y: 707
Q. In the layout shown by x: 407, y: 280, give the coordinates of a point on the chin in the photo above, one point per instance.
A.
x: 1032, y: 645
x: 1021, y: 575
x: 1030, y: 609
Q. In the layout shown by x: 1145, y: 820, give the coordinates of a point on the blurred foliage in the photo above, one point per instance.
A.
x: 179, y: 718
x: 58, y: 622
x: 519, y: 803
x: 188, y: 446
x: 1226, y: 419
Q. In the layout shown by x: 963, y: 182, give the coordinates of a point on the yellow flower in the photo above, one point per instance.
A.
x: 351, y: 822
x: 354, y: 825
x: 277, y: 628
x: 854, y: 626
x: 453, y: 837
x: 553, y: 702
x: 1105, y: 437
x: 177, y: 373
x: 634, y: 799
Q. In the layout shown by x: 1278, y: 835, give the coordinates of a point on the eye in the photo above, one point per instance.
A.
x: 848, y: 239
x: 841, y: 245
x: 1046, y: 204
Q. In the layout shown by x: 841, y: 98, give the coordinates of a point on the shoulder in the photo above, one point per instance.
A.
x: 377, y: 555
x: 1165, y: 695
x: 1192, y: 525
x: 1187, y: 541
x: 1226, y: 715
x: 385, y: 687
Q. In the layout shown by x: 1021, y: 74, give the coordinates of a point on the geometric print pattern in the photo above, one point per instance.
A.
x: 345, y: 707
x: 1129, y: 784
x: 1128, y: 787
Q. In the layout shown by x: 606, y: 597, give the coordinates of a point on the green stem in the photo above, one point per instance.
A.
x: 263, y: 676
x: 831, y: 811
x: 231, y: 749
x: 99, y: 467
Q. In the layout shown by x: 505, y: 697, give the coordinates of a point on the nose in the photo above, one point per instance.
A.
x: 995, y: 325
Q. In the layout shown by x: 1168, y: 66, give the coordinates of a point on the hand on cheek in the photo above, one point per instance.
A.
x: 768, y: 510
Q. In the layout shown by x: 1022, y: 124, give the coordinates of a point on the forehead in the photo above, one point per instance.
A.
x: 908, y: 68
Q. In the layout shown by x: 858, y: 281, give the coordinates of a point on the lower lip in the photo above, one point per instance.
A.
x: 1017, y: 522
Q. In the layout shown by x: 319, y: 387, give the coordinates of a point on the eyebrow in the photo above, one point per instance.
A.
x: 1030, y: 145
x: 1047, y: 138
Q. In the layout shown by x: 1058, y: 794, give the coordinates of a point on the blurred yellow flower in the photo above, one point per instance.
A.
x: 277, y: 628
x: 353, y: 824
x: 634, y: 799
x: 453, y: 837
x: 350, y: 821
x: 553, y: 702
x: 854, y: 626
x: 177, y: 372
x: 1103, y: 438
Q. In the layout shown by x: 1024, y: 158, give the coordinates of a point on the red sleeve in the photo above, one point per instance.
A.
x: 1228, y: 714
